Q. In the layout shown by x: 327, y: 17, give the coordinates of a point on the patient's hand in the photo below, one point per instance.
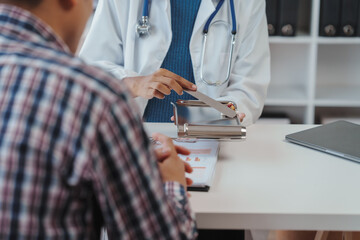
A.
x: 172, y: 168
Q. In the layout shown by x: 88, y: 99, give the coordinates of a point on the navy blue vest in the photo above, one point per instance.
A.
x: 177, y: 60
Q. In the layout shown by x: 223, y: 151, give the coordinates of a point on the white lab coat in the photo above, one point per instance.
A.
x: 112, y: 44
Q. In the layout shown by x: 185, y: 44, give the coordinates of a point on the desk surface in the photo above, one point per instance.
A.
x: 265, y: 182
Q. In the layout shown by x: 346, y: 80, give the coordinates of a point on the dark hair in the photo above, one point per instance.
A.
x: 30, y: 3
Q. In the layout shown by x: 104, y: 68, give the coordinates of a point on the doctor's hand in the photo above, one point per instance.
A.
x: 240, y: 116
x: 157, y: 84
x: 172, y: 168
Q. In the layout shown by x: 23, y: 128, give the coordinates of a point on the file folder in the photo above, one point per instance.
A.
x: 330, y: 18
x: 349, y: 17
x: 288, y: 17
x: 271, y: 14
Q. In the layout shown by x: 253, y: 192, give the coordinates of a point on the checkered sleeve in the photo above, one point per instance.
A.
x: 135, y: 203
x: 178, y: 196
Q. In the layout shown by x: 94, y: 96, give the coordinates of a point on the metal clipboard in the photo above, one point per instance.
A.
x: 196, y: 119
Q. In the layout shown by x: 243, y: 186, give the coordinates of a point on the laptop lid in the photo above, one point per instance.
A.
x: 340, y: 138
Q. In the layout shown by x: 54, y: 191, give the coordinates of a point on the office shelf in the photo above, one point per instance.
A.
x: 290, y: 40
x: 338, y: 40
x: 325, y: 114
x: 296, y: 114
x: 301, y: 37
x: 286, y: 95
x: 312, y: 75
x: 338, y: 96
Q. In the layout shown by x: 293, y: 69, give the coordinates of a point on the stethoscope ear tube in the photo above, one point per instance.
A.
x: 146, y: 8
x: 232, y: 8
x: 232, y: 44
x: 232, y: 47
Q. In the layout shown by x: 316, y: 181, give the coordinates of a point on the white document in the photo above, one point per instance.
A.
x: 203, y: 158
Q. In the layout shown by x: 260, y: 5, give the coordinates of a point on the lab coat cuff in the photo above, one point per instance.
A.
x: 248, y: 120
x: 141, y: 104
x: 129, y: 73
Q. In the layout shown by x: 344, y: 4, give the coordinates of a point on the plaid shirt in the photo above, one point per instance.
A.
x: 73, y: 156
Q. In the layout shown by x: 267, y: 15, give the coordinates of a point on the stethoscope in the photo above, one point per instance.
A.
x: 143, y: 30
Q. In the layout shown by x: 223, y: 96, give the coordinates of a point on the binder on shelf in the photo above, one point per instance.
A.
x: 271, y: 14
x: 358, y: 23
x: 349, y: 17
x: 330, y: 18
x: 288, y: 17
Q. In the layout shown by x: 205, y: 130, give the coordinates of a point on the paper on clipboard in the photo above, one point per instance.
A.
x: 203, y: 158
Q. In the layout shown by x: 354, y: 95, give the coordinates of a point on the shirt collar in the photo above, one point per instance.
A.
x: 17, y: 23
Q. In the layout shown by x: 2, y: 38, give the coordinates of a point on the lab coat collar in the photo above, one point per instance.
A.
x: 215, y: 2
x: 206, y: 9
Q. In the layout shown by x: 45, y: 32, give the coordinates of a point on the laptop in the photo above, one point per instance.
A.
x: 340, y: 138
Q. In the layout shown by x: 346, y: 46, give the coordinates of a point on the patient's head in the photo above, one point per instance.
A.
x: 28, y: 3
x: 67, y: 17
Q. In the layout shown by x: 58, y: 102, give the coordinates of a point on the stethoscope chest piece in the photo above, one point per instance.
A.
x: 143, y: 27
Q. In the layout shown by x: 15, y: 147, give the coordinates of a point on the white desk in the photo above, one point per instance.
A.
x: 265, y: 182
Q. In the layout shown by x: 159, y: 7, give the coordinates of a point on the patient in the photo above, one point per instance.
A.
x: 73, y: 154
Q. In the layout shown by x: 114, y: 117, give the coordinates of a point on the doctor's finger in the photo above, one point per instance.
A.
x: 172, y: 84
x: 182, y: 81
x: 158, y: 94
x: 151, y: 93
x: 240, y: 116
x: 160, y: 87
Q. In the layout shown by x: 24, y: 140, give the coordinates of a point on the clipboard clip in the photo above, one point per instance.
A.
x: 196, y: 119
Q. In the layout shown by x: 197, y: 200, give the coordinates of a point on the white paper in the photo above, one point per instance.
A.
x: 203, y: 158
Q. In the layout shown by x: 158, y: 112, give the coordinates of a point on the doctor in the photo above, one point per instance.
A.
x: 153, y: 46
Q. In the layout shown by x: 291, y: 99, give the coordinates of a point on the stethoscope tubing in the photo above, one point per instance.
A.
x: 145, y: 12
x: 232, y: 44
x: 145, y: 21
x: 232, y: 9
